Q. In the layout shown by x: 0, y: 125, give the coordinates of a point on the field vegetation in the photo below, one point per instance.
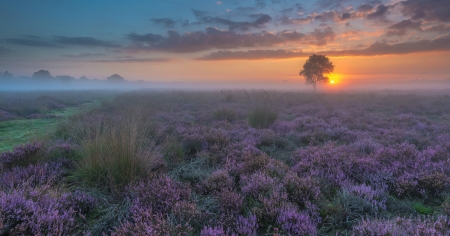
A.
x: 232, y: 163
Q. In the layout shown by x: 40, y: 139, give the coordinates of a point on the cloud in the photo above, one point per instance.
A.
x: 259, y: 21
x: 441, y: 28
x: 325, y: 16
x: 31, y: 42
x: 432, y: 10
x: 330, y: 4
x: 333, y: 16
x: 84, y: 41
x: 365, y: 8
x: 401, y: 27
x: 213, y: 38
x: 378, y: 48
x: 83, y: 55
x: 128, y: 60
x: 380, y: 12
x: 251, y: 55
x: 322, y: 36
x: 167, y: 22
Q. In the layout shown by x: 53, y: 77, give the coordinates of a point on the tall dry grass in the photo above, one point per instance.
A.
x: 117, y: 152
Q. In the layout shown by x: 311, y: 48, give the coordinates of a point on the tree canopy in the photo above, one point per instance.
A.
x: 42, y: 74
x: 315, y: 67
x: 115, y: 78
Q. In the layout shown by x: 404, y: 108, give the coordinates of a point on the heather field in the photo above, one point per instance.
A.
x: 226, y: 163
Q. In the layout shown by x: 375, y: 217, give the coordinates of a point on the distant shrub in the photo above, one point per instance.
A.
x: 4, y: 115
x: 262, y: 117
x: 198, y: 138
x: 224, y: 113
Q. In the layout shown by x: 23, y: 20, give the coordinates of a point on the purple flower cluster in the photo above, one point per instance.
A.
x: 21, y: 155
x: 40, y: 211
x: 404, y: 226
x: 329, y: 164
x: 160, y: 194
x: 294, y: 223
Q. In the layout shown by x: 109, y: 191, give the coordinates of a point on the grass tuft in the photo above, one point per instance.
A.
x: 115, y: 155
x: 262, y: 117
x: 422, y: 209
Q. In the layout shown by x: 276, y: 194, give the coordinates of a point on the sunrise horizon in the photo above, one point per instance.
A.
x: 373, y: 41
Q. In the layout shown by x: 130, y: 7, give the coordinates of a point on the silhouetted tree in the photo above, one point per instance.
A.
x: 115, y: 78
x: 6, y: 74
x: 315, y: 67
x: 65, y: 78
x: 42, y: 74
x: 83, y: 78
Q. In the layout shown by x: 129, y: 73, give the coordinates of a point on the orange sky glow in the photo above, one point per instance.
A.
x: 231, y: 42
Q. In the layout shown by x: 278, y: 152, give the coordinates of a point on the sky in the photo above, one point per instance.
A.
x: 226, y: 40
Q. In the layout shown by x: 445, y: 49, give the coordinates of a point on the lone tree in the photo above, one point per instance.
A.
x: 42, y: 74
x: 315, y: 67
x: 115, y: 78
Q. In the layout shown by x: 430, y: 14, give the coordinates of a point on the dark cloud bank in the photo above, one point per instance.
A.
x: 213, y: 38
x: 378, y: 48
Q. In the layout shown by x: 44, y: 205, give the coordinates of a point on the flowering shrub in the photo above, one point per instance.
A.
x: 301, y: 190
x: 328, y: 164
x: 32, y: 175
x: 213, y: 231
x: 34, y: 211
x: 22, y: 155
x: 294, y: 223
x: 256, y: 184
x: 230, y: 202
x: 217, y: 181
x: 246, y: 225
x: 404, y: 226
x: 161, y: 194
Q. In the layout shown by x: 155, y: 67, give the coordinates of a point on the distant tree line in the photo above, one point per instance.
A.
x: 44, y: 75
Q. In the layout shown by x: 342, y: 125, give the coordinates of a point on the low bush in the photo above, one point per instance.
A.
x: 224, y: 113
x: 403, y: 226
x: 262, y: 117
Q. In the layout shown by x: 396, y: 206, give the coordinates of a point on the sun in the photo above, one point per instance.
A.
x: 334, y: 78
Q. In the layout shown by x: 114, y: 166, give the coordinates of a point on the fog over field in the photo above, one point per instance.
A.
x: 9, y: 83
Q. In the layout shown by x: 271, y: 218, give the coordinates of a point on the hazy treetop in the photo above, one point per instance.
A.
x: 115, y: 78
